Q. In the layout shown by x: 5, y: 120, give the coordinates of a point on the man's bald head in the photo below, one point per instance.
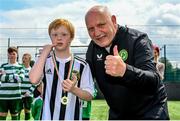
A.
x: 98, y: 9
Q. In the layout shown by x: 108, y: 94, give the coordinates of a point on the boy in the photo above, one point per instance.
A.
x: 26, y: 87
x: 87, y: 107
x: 37, y: 102
x: 11, y: 76
x: 67, y: 79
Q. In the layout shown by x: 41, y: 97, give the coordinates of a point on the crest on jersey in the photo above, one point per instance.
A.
x: 124, y: 54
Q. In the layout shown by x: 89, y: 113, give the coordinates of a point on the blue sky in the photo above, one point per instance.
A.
x: 39, y: 13
x: 22, y: 4
x: 7, y: 5
x: 21, y: 20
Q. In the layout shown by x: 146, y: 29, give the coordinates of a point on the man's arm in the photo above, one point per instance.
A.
x: 143, y: 75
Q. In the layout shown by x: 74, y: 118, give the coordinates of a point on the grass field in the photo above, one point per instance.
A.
x: 100, y: 110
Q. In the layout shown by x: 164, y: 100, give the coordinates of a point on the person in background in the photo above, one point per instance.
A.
x: 67, y: 79
x: 32, y: 63
x: 38, y: 53
x: 87, y: 108
x: 37, y: 102
x: 160, y: 66
x: 11, y: 76
x: 27, y: 87
x: 121, y: 60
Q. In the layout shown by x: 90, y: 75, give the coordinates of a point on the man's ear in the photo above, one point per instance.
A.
x: 113, y: 18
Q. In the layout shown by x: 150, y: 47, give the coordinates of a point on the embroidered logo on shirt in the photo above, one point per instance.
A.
x: 124, y: 54
x: 48, y: 71
x: 99, y: 57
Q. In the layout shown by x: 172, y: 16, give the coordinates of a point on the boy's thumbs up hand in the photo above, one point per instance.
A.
x: 114, y: 65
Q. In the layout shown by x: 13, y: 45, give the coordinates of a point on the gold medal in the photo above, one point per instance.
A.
x: 64, y: 100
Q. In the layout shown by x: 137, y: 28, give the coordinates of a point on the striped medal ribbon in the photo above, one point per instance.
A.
x: 64, y: 99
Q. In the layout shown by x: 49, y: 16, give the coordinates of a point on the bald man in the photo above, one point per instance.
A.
x: 121, y: 60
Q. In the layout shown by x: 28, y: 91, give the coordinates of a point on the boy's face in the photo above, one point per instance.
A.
x: 12, y: 56
x: 61, y: 38
x: 26, y: 59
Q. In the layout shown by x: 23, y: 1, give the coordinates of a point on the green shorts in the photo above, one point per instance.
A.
x: 26, y: 103
x: 10, y: 105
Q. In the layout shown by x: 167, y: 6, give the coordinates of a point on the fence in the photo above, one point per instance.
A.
x: 169, y: 55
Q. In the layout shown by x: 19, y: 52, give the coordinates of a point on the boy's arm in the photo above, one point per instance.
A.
x: 7, y: 78
x: 37, y: 70
x: 69, y: 86
x: 30, y: 90
x: 87, y: 86
x: 83, y: 94
x: 4, y: 77
x: 13, y: 77
x: 19, y: 75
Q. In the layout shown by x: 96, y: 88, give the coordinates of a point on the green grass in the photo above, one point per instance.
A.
x: 100, y: 110
x: 174, y: 109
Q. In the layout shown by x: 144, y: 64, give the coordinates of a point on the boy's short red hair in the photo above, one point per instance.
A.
x: 62, y: 22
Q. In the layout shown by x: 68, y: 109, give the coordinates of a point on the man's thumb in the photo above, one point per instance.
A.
x: 115, y: 51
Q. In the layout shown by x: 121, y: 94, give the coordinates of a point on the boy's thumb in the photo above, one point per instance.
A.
x: 115, y: 51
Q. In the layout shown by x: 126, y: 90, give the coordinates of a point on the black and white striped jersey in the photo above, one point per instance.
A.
x: 53, y: 109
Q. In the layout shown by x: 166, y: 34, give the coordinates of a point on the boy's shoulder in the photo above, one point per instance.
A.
x: 80, y: 60
x: 4, y: 64
x: 50, y: 55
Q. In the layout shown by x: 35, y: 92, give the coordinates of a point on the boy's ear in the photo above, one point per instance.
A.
x: 70, y: 41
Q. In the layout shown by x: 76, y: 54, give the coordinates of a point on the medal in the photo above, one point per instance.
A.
x: 64, y: 99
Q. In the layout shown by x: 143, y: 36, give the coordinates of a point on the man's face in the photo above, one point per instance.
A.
x: 61, y: 38
x: 101, y: 28
x: 12, y: 56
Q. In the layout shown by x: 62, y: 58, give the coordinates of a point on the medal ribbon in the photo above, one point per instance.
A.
x: 69, y: 71
x: 70, y: 66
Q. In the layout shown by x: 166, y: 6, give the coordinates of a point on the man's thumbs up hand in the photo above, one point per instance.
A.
x: 115, y: 51
x: 114, y: 65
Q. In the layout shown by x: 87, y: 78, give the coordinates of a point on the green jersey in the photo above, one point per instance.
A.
x: 10, y: 81
x: 26, y: 86
x: 36, y: 107
x: 86, y: 109
x: 87, y: 106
